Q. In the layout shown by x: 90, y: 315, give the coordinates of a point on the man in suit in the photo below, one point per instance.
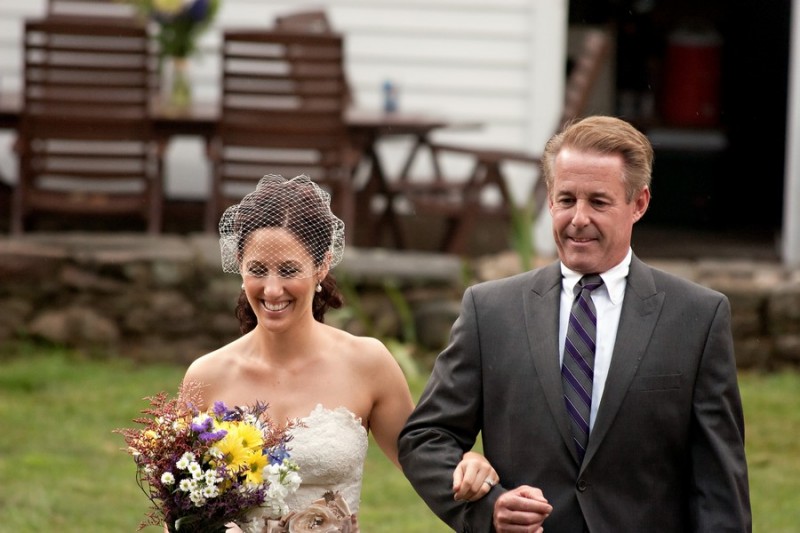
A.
x: 647, y: 434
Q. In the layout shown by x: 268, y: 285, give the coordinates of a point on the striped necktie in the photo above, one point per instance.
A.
x: 577, y: 369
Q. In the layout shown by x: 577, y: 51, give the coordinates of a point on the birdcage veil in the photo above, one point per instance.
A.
x: 297, y: 205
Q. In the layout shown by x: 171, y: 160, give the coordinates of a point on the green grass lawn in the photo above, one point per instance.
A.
x: 62, y: 469
x: 772, y: 436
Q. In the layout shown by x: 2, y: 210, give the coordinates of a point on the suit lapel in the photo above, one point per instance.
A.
x: 542, y: 304
x: 641, y: 307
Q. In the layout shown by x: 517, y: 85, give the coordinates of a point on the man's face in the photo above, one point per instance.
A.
x: 592, y: 219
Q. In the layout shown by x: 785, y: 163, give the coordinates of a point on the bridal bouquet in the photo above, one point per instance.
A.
x: 202, y: 470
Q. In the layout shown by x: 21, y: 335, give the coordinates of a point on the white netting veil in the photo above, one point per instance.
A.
x: 283, y: 228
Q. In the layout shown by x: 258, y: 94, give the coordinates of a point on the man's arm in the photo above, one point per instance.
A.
x: 445, y: 423
x: 720, y: 498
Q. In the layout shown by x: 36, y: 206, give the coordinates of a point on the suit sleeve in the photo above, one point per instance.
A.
x: 720, y: 497
x: 446, y: 423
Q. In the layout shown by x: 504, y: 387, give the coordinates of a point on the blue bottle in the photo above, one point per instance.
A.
x: 389, y: 97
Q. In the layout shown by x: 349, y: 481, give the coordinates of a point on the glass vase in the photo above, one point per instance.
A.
x: 176, y: 84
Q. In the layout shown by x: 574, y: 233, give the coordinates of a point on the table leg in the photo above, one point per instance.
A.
x: 462, y: 224
x: 377, y: 185
x: 419, y: 141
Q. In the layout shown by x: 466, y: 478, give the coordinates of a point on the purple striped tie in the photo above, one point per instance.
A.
x: 577, y: 369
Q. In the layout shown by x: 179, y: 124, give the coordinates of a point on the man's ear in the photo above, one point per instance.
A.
x: 641, y: 202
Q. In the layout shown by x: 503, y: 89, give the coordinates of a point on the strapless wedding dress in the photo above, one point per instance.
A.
x: 330, y: 448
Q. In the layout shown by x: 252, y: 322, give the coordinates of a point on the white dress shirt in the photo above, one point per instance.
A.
x: 608, y: 303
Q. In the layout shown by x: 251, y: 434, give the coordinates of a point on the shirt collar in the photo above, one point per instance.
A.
x: 613, y: 279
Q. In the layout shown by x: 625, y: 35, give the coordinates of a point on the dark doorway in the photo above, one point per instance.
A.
x: 722, y: 171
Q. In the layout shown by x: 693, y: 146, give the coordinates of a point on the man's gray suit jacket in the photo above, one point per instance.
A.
x: 666, y: 452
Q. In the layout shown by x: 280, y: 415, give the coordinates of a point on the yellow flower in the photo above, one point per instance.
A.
x: 250, y: 436
x: 255, y: 468
x: 232, y: 453
x: 239, y: 444
x: 168, y: 7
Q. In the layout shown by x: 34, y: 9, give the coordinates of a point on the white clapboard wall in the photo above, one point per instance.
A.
x: 499, y: 63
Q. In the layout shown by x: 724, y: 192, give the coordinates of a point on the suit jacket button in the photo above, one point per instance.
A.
x: 582, y: 485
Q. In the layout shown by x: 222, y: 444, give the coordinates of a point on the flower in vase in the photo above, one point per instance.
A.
x: 180, y: 22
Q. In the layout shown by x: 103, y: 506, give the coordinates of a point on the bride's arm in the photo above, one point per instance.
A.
x: 392, y: 408
x: 392, y: 403
x: 473, y: 477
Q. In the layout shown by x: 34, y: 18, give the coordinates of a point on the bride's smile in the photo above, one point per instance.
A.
x: 279, y: 275
x: 276, y: 307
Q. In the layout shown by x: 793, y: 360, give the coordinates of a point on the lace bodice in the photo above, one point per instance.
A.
x: 330, y: 447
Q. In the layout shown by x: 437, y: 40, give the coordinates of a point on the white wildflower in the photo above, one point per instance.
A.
x: 197, y: 498
x: 212, y: 477
x: 195, y: 469
x: 184, y: 461
x: 210, y: 491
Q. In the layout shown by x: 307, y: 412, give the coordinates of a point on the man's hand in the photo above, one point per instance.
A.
x: 522, y: 510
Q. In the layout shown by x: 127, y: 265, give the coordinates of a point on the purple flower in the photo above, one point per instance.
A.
x: 197, y: 11
x: 220, y: 410
x: 203, y: 426
x: 212, y: 436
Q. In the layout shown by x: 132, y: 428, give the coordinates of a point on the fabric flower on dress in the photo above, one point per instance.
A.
x: 329, y: 514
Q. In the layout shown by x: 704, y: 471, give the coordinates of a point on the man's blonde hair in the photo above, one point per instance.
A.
x: 604, y: 135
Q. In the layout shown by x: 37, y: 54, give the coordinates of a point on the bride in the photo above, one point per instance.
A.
x: 283, y: 240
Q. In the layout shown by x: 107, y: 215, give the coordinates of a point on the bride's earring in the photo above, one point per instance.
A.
x: 318, y: 288
x: 242, y: 286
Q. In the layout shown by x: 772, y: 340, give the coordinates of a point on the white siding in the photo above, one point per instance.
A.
x: 496, y: 62
x: 791, y: 204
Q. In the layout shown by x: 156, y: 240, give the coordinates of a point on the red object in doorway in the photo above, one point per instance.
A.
x: 692, y: 80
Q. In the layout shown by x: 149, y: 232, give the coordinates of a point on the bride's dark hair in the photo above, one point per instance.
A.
x: 295, y: 206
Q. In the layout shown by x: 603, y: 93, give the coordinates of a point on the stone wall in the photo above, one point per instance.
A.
x: 166, y: 298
